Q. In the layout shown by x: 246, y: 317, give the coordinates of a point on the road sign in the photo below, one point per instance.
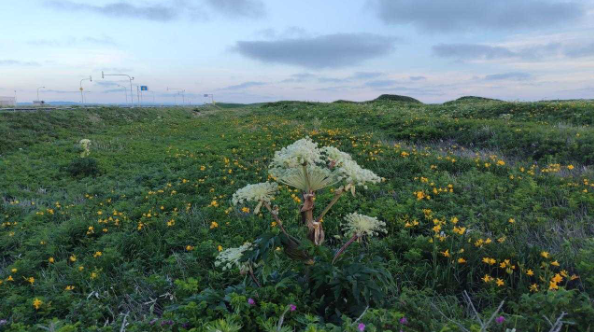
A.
x: 143, y: 88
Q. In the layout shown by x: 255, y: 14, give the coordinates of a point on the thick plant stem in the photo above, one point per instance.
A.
x: 344, y: 247
x: 316, y: 230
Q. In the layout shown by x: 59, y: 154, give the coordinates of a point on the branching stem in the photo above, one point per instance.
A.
x: 278, y: 221
x: 332, y: 202
x: 344, y: 247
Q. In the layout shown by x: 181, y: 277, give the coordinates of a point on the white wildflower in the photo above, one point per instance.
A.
x: 231, y: 258
x: 354, y: 175
x: 306, y: 178
x: 336, y: 156
x: 362, y: 225
x: 260, y: 193
x: 86, y: 145
x: 302, y: 152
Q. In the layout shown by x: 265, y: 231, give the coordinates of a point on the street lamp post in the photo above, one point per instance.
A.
x: 129, y: 77
x: 82, y: 99
x: 41, y: 87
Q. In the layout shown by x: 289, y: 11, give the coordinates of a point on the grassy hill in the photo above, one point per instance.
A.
x: 471, y: 99
x: 398, y: 98
x: 491, y: 199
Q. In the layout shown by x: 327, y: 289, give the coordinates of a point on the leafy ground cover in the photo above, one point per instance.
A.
x: 488, y: 209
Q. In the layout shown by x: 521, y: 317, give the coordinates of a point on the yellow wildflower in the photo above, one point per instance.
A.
x: 37, y: 303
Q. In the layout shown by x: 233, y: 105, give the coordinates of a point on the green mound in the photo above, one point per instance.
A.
x: 471, y: 99
x: 405, y: 99
x: 342, y: 101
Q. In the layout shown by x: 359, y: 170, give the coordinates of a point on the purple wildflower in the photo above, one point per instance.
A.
x: 292, y: 307
x: 500, y: 319
x: 3, y: 322
x: 403, y: 321
x: 251, y: 301
x: 361, y: 327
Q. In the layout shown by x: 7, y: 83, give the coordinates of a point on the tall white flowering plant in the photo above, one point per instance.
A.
x: 309, y: 168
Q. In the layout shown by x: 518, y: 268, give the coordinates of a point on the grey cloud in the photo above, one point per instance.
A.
x: 329, y: 51
x: 513, y: 76
x: 418, y: 78
x: 332, y: 80
x: 467, y: 15
x: 119, y: 9
x: 108, y: 84
x: 363, y: 75
x: 462, y: 52
x: 298, y: 78
x: 244, y: 85
x: 581, y: 51
x: 290, y: 32
x: 62, y: 91
x: 380, y: 83
x: 10, y: 62
x: 171, y: 10
x: 472, y: 51
x: 238, y: 8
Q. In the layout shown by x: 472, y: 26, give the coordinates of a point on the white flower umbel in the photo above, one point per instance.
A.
x: 260, y: 193
x: 306, y: 178
x: 362, y: 225
x: 229, y: 259
x: 302, y: 152
x: 354, y: 175
x: 333, y: 155
x: 86, y: 145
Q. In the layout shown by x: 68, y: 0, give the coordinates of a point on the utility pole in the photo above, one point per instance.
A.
x: 82, y: 99
x: 42, y: 87
x: 129, y: 77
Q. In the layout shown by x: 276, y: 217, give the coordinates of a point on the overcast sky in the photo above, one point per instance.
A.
x: 267, y: 50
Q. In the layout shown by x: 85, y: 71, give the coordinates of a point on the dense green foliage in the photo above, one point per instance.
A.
x: 490, y: 198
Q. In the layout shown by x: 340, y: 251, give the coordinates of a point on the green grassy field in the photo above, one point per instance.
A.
x: 483, y: 200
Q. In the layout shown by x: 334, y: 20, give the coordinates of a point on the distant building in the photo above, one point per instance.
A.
x: 38, y: 102
x: 7, y: 101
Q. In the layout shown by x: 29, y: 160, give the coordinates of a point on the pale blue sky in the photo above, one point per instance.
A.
x: 265, y: 50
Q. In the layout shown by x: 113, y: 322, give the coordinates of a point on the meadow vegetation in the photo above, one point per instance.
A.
x: 488, y: 211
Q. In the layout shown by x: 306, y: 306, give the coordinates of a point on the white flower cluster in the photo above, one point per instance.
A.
x: 230, y: 258
x: 355, y: 175
x: 86, y: 145
x: 304, y: 166
x: 336, y: 156
x: 260, y: 193
x: 302, y: 152
x: 363, y: 225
